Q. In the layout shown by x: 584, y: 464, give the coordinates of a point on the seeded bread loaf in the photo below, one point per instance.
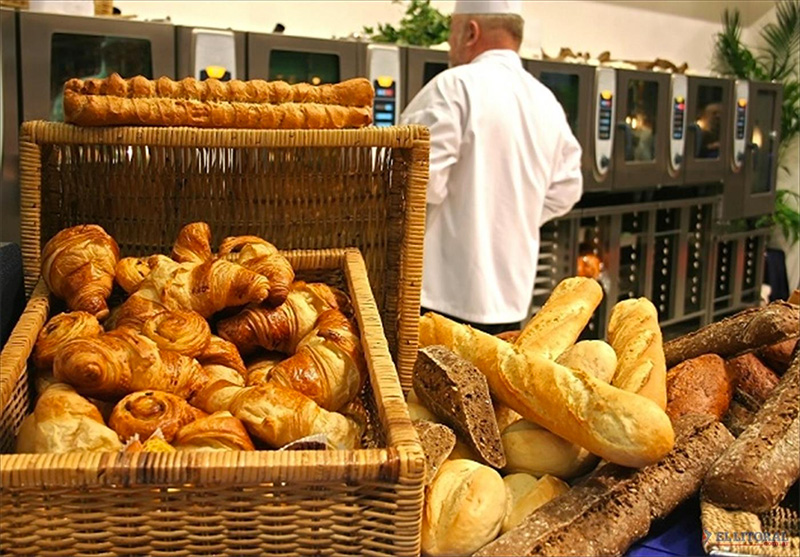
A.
x: 754, y: 380
x: 437, y: 442
x: 778, y: 356
x: 702, y: 385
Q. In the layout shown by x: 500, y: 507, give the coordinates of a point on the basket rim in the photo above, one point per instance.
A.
x: 44, y: 132
x: 401, y: 458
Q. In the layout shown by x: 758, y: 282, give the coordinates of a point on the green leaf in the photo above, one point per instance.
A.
x: 422, y: 25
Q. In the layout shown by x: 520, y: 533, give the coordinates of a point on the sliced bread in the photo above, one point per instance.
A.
x: 437, y: 442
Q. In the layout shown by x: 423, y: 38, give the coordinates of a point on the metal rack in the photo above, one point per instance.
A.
x: 737, y: 270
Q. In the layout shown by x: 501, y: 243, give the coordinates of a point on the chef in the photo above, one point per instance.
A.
x: 503, y: 162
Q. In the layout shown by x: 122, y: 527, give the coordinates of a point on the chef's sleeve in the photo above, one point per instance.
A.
x: 566, y: 184
x: 439, y: 106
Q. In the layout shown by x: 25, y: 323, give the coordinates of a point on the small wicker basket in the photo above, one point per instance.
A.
x: 741, y: 533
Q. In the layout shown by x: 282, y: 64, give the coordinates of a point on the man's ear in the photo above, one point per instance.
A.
x: 473, y: 33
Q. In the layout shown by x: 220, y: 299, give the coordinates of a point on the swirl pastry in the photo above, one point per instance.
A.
x: 184, y: 332
x: 251, y: 252
x: 144, y: 412
x: 78, y: 266
x: 220, y: 431
x: 58, y: 331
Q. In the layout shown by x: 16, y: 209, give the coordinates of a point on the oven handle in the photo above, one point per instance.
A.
x: 698, y: 144
x: 625, y: 128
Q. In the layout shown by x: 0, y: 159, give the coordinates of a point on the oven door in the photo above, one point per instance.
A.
x: 9, y: 127
x: 300, y: 60
x: 203, y: 53
x: 422, y: 65
x: 56, y: 48
x: 761, y: 153
x: 708, y: 110
x: 573, y: 86
x: 641, y: 147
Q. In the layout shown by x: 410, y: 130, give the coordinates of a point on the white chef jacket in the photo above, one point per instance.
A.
x: 503, y: 162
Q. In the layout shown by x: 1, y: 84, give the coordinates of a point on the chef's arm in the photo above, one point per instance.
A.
x: 442, y: 114
x: 566, y: 185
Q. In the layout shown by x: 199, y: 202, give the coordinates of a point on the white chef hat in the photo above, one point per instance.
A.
x: 488, y: 7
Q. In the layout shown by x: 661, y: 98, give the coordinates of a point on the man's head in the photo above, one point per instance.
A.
x: 478, y: 26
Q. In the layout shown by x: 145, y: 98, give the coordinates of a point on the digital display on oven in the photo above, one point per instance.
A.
x: 678, y: 111
x: 604, y: 122
x: 741, y: 114
x: 385, y: 104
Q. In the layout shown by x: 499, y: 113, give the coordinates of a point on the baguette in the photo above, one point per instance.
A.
x: 635, y: 335
x: 743, y: 332
x: 562, y: 319
x: 592, y: 356
x: 616, y: 425
x: 757, y: 470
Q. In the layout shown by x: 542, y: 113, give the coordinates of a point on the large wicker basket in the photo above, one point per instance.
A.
x: 361, y: 502
x: 299, y: 189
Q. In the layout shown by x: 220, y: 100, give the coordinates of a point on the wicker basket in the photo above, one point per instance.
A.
x: 361, y: 502
x: 727, y: 531
x: 299, y: 189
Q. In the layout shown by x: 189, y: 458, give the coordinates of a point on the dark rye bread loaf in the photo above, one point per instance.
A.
x: 702, y: 385
x: 754, y: 380
x: 457, y: 392
x: 778, y: 356
x: 738, y: 418
x: 756, y: 471
x: 437, y: 442
x: 743, y: 332
x: 609, y: 510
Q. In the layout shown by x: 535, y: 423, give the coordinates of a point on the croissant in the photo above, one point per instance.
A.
x: 278, y: 415
x: 184, y: 332
x: 259, y: 369
x: 328, y: 366
x: 281, y: 329
x: 221, y: 352
x: 131, y: 271
x: 63, y: 421
x: 221, y: 431
x: 263, y: 258
x: 193, y: 244
x: 78, y: 266
x: 58, y: 331
x: 123, y: 361
x: 144, y: 412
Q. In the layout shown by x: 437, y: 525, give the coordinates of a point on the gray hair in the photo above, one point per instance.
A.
x: 512, y: 24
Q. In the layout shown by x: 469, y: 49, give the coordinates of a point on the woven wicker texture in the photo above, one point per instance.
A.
x: 299, y: 189
x: 738, y: 523
x: 364, y: 502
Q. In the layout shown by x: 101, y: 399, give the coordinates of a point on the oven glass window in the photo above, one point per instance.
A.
x: 87, y: 56
x: 640, y: 141
x: 762, y: 112
x: 708, y: 120
x: 303, y: 67
x: 565, y: 87
x: 432, y: 69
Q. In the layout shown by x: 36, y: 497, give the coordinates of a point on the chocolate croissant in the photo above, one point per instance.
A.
x: 251, y: 252
x: 78, y: 266
x: 58, y: 331
x: 144, y: 412
x: 221, y: 431
x: 184, y: 332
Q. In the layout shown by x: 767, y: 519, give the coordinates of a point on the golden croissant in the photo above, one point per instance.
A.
x: 58, y: 331
x: 144, y: 412
x: 278, y: 415
x: 184, y: 332
x: 328, y: 366
x: 63, y: 421
x: 123, y: 361
x: 131, y: 271
x: 260, y: 367
x: 282, y: 328
x: 262, y: 257
x: 221, y: 352
x: 193, y: 244
x: 78, y: 266
x: 221, y: 431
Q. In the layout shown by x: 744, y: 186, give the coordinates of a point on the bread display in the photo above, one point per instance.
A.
x: 78, y: 266
x: 756, y: 471
x: 702, y: 385
x: 457, y: 393
x: 216, y: 104
x: 438, y: 441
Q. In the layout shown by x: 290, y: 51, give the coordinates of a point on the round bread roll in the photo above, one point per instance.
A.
x: 534, y: 450
x: 464, y: 509
x: 525, y: 494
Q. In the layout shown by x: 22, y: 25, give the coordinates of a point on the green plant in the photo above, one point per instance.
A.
x: 422, y: 25
x: 778, y: 59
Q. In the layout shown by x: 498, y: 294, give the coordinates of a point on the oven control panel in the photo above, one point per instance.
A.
x: 605, y: 90
x: 383, y: 66
x: 213, y: 54
x: 680, y: 90
x: 742, y: 94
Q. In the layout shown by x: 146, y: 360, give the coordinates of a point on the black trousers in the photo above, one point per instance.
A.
x: 491, y: 329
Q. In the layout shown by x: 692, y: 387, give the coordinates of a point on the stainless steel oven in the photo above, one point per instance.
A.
x: 587, y: 95
x: 383, y: 65
x: 708, y: 108
x: 203, y: 53
x: 752, y: 172
x: 9, y: 127
x: 300, y: 59
x: 55, y: 48
x: 422, y: 65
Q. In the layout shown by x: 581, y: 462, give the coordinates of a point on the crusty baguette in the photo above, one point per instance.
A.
x: 746, y: 331
x: 562, y: 319
x: 756, y: 471
x: 616, y: 425
x: 595, y: 357
x: 635, y: 335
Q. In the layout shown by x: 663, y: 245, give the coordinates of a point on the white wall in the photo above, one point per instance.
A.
x: 628, y: 32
